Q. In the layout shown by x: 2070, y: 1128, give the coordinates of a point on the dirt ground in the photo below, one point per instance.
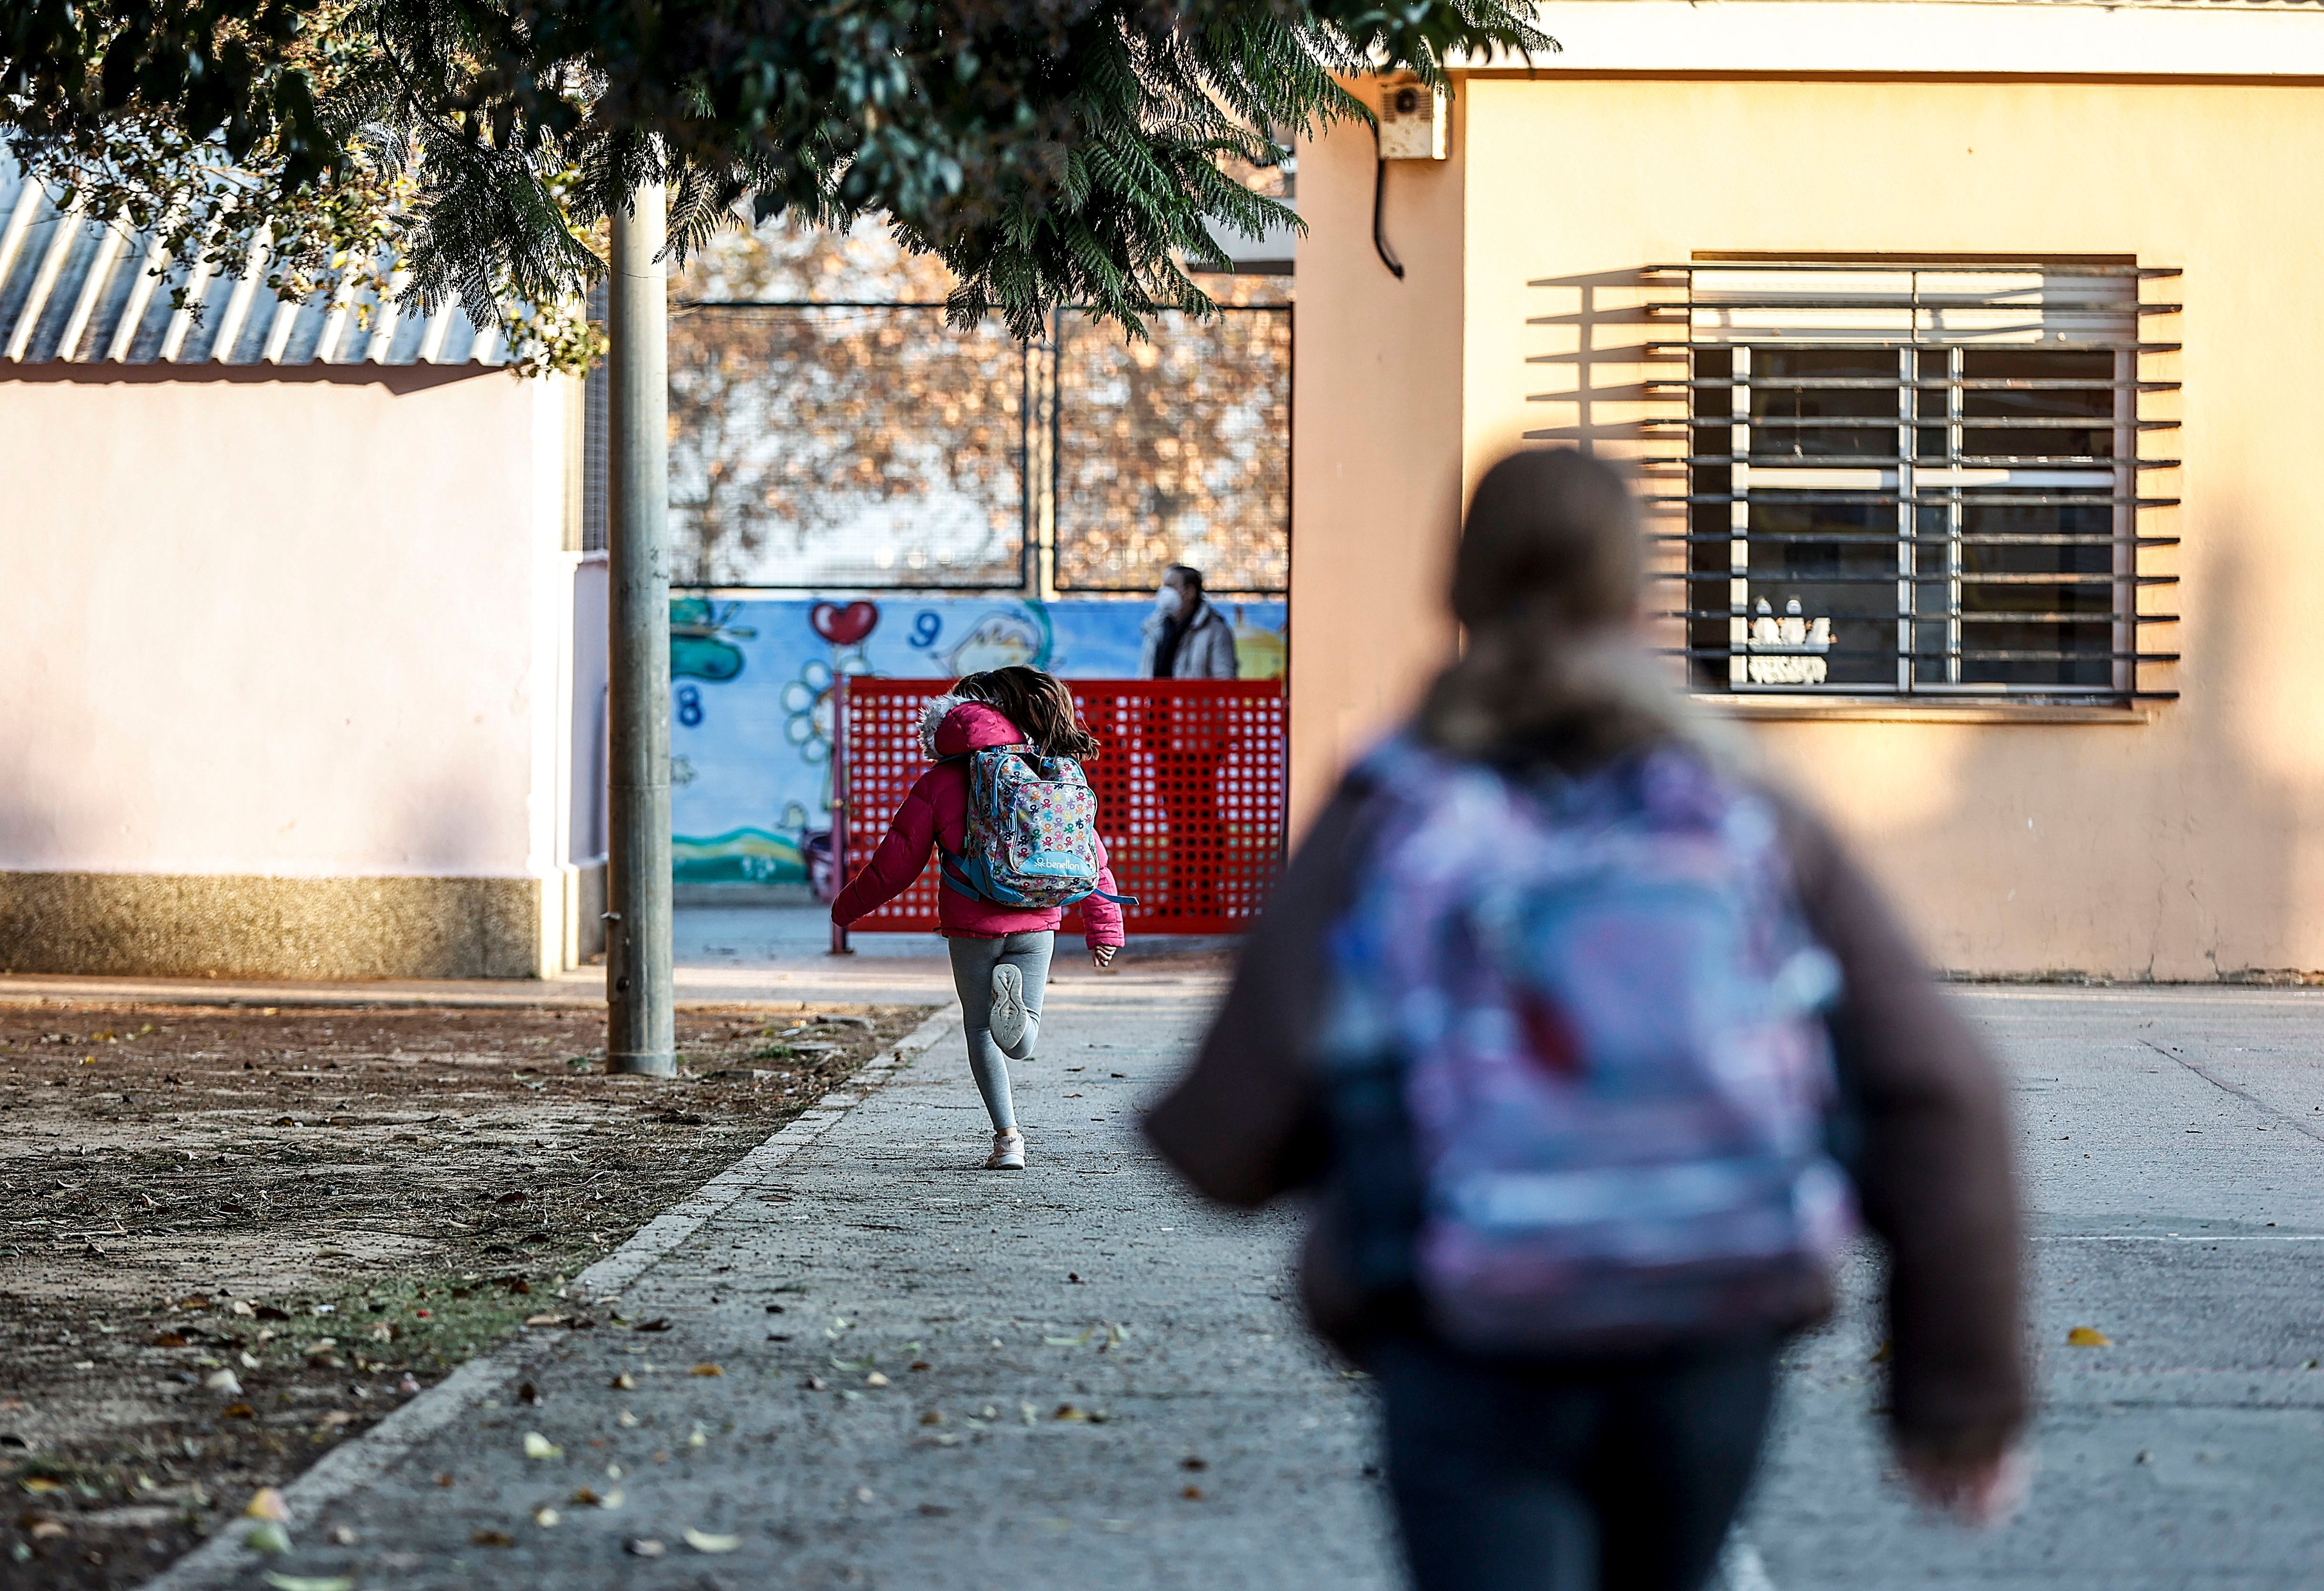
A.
x: 231, y: 1236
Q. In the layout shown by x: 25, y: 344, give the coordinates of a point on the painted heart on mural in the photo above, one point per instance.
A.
x: 844, y: 627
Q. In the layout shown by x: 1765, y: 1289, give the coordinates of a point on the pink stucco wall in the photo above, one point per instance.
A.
x: 282, y: 623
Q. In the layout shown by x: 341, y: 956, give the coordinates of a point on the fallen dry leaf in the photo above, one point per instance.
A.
x: 537, y: 1446
x: 237, y: 1412
x: 266, y: 1502
x: 170, y: 1340
x: 643, y: 1547
x: 875, y: 1379
x: 308, y: 1582
x: 222, y: 1381
x: 701, y: 1541
x: 624, y: 1382
x: 490, y: 1538
x: 267, y: 1536
x: 545, y: 1319
x: 2087, y: 1336
x: 705, y: 1368
x: 544, y: 1516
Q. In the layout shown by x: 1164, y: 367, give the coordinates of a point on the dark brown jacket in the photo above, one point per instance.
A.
x: 1933, y: 1165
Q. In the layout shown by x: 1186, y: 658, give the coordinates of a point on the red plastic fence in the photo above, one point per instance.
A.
x: 1190, y: 787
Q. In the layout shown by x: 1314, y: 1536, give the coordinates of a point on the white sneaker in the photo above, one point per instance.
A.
x: 1009, y: 1018
x: 1008, y: 1152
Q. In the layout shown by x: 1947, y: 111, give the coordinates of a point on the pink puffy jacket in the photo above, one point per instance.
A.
x: 935, y: 815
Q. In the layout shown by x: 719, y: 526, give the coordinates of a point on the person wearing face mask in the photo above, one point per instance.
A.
x: 1188, y: 639
x: 1185, y: 638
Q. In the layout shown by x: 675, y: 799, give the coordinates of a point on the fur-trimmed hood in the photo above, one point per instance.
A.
x: 954, y: 726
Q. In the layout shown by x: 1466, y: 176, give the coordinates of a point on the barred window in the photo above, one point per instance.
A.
x: 1917, y: 481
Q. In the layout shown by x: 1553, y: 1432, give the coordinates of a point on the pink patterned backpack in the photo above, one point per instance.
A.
x: 1032, y: 831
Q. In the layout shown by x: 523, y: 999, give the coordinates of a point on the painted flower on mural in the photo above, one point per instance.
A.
x: 809, y: 709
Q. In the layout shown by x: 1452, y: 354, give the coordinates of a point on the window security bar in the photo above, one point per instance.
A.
x: 1919, y: 479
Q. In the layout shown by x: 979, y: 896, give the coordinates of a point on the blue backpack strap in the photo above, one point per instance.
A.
x: 956, y: 878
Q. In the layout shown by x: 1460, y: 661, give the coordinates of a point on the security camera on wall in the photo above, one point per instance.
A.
x: 1413, y: 123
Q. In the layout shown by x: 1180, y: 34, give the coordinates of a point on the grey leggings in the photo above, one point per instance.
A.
x: 972, y: 962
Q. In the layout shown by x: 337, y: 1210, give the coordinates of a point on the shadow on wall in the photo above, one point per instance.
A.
x: 2165, y: 840
x: 1606, y: 372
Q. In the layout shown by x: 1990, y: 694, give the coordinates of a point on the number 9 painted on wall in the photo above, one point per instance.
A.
x: 689, y: 706
x: 925, y: 627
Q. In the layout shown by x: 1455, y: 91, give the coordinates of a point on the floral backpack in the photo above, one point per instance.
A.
x: 1579, y: 1082
x: 1032, y: 831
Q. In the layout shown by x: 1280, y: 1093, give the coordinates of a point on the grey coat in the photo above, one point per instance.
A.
x: 1206, y: 651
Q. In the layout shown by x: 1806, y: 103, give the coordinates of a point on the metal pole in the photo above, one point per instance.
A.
x: 641, y: 1035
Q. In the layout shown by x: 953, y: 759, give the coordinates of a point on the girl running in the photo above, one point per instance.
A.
x: 1579, y: 1141
x: 1000, y: 953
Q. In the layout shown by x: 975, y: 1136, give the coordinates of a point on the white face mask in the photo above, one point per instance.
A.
x: 1166, y: 602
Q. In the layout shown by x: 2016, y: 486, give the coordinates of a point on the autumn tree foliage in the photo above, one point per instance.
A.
x: 1046, y: 151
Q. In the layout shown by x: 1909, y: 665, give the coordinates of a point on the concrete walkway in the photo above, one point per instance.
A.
x: 1120, y: 1391
x: 1086, y: 1337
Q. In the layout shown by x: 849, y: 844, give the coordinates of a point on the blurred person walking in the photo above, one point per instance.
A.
x: 1592, y: 1042
x: 1013, y: 825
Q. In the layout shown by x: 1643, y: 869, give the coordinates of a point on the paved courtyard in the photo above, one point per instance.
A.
x: 930, y: 1376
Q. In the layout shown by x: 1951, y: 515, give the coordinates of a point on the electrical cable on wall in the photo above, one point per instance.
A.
x: 1380, y: 193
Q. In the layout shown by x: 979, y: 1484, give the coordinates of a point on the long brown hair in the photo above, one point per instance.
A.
x: 1037, y: 704
x: 1546, y: 584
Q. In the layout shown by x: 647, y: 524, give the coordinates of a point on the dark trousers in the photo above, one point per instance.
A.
x: 1618, y: 1476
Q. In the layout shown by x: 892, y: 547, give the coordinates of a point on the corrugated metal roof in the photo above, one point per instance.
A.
x: 78, y: 288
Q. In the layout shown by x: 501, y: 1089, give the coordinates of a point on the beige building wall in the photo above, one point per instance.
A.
x: 303, y: 675
x: 1376, y: 458
x: 2185, y: 840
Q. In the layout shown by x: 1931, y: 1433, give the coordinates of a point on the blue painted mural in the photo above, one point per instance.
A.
x: 750, y: 704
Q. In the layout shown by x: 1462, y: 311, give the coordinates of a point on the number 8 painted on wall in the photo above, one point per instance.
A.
x: 689, y: 706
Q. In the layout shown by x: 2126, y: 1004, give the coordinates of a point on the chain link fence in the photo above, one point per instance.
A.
x: 1176, y: 449
x: 872, y: 446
